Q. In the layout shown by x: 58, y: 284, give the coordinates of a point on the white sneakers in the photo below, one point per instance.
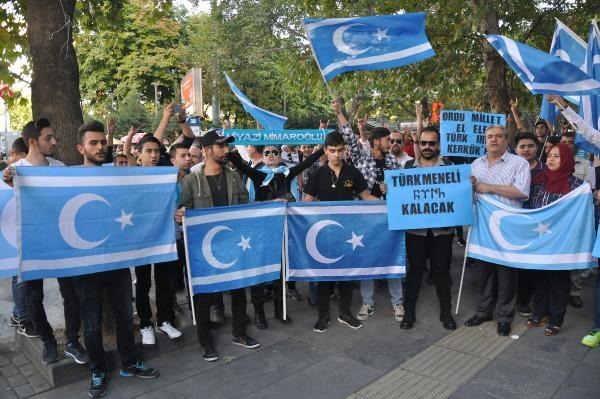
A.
x: 365, y: 311
x: 398, y: 311
x: 148, y: 338
x: 168, y: 329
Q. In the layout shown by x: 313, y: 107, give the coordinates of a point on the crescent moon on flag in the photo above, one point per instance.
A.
x: 207, y: 248
x: 8, y: 222
x: 341, y: 45
x: 494, y: 226
x: 66, y: 221
x: 311, y: 241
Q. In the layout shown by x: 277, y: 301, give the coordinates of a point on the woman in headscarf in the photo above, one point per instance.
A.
x: 552, y: 287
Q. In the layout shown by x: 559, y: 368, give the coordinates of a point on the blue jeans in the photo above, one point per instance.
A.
x: 394, y: 287
x: 19, y: 291
x: 597, y: 304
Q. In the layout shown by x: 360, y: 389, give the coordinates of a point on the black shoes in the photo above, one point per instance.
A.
x: 245, y: 341
x: 503, y: 329
x: 50, y: 351
x: 97, y: 385
x: 210, y: 355
x: 448, y: 321
x: 294, y: 295
x: 407, y: 324
x: 349, y: 320
x: 476, y: 320
x: 26, y: 329
x: 75, y: 351
x: 575, y: 301
x: 139, y: 370
x: 321, y: 324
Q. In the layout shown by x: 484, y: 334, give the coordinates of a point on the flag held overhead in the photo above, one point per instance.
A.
x: 367, y: 43
x: 543, y: 73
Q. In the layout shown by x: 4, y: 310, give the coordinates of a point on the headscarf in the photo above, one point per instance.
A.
x: 557, y: 181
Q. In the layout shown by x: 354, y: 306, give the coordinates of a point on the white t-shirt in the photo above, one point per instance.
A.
x: 25, y: 162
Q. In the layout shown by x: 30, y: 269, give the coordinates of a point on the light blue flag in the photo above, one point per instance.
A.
x: 559, y: 236
x: 9, y: 261
x: 81, y: 220
x: 569, y: 47
x: 342, y: 240
x: 367, y: 43
x: 234, y: 247
x: 589, y: 106
x: 266, y: 119
x: 541, y: 72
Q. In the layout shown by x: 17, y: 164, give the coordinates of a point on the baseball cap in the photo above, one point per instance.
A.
x: 214, y: 136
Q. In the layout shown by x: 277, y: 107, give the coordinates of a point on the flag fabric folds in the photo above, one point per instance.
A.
x: 266, y: 119
x: 345, y: 240
x: 559, y: 236
x: 543, y: 73
x: 235, y: 246
x: 569, y: 47
x: 9, y: 261
x: 81, y: 220
x: 367, y: 43
x: 589, y: 106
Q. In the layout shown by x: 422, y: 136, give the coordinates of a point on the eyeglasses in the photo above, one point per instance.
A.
x: 268, y: 153
x: 424, y: 143
x: 399, y: 141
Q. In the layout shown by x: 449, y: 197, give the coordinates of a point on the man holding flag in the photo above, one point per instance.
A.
x: 506, y: 176
x: 211, y: 186
x: 90, y: 288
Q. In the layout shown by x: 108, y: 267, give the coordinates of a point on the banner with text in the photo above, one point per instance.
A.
x: 463, y: 132
x: 429, y: 197
x: 283, y: 137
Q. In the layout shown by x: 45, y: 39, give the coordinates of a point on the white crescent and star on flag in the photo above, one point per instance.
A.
x: 68, y: 217
x: 495, y: 221
x: 207, y: 247
x: 311, y: 241
x: 348, y: 48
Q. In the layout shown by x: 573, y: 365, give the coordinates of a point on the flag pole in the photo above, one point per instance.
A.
x: 318, y: 65
x: 189, y: 270
x: 284, y: 266
x: 462, y: 276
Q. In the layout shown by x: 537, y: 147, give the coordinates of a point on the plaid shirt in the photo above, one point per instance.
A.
x: 539, y: 197
x: 363, y: 160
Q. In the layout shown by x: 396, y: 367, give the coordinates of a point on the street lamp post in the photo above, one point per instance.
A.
x: 155, y: 98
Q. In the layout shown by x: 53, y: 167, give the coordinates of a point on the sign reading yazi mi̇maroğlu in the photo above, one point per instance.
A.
x: 419, y: 198
x: 282, y: 137
x: 462, y: 133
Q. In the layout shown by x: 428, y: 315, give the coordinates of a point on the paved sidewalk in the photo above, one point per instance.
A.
x: 294, y: 362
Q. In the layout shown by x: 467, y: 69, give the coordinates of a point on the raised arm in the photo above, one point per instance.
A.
x: 355, y: 151
x: 514, y: 109
x: 164, y: 122
x: 588, y: 132
x: 253, y: 174
x: 127, y: 146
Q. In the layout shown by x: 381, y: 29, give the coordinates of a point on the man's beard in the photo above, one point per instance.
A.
x: 428, y: 154
x: 396, y: 152
x: 92, y: 159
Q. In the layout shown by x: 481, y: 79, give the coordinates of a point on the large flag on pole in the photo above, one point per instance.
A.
x: 589, y: 106
x: 367, y: 43
x: 9, y: 261
x: 234, y: 246
x: 569, y: 47
x: 266, y: 119
x: 82, y: 220
x: 541, y: 72
x: 559, y: 236
x: 345, y: 240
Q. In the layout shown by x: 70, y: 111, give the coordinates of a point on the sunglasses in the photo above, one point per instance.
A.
x: 399, y: 141
x: 268, y: 153
x: 424, y: 143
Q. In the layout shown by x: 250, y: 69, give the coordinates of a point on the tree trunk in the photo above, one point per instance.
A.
x: 487, y: 21
x: 55, y: 78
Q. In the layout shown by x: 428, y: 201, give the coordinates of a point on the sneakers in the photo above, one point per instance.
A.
x: 524, y: 310
x: 245, y: 341
x: 321, y: 324
x: 168, y: 329
x: 398, y: 311
x: 210, y: 355
x: 349, y: 320
x: 148, y: 338
x: 76, y: 352
x: 139, y: 370
x: 366, y: 311
x: 592, y: 339
x: 97, y: 385
x: 294, y: 295
x: 27, y: 330
x: 50, y: 352
x: 14, y: 322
